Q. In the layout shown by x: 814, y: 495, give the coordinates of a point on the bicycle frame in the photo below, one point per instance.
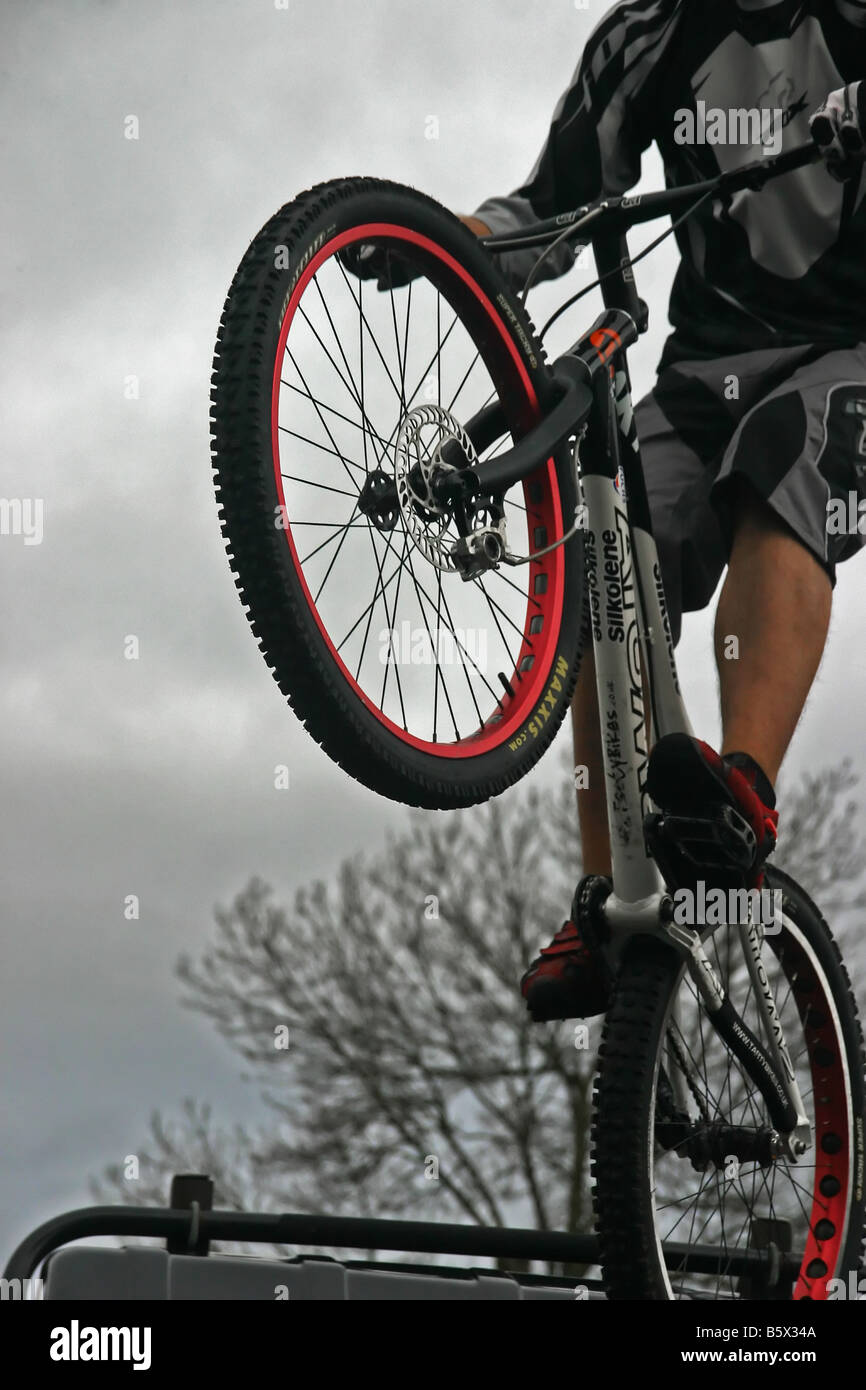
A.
x: 628, y: 614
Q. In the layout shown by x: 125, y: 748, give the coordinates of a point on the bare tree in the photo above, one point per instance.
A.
x: 381, y: 1018
x: 188, y: 1143
x: 821, y: 846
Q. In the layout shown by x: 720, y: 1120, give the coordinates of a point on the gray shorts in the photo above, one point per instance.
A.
x: 792, y: 421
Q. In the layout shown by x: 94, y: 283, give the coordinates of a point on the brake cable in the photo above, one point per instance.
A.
x: 617, y: 270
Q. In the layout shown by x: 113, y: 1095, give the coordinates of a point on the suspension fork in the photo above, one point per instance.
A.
x: 772, y: 1074
x: 752, y: 941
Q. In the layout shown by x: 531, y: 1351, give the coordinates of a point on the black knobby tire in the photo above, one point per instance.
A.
x: 625, y: 1154
x: 262, y: 307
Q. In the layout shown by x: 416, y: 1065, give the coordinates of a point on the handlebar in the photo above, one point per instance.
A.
x: 614, y: 216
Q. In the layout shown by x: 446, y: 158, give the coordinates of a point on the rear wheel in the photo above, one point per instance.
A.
x: 330, y: 397
x: 683, y: 1154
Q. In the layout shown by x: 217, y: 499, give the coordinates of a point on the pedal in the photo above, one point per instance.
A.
x: 724, y: 840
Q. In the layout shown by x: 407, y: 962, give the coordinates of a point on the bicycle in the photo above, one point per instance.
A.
x: 472, y: 478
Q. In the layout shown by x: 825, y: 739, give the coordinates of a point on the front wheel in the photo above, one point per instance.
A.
x: 327, y: 391
x: 693, y: 1199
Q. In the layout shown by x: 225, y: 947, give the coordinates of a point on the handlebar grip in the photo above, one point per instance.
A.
x: 822, y: 128
x: 851, y: 137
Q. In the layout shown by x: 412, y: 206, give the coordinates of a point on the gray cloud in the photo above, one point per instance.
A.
x: 155, y: 777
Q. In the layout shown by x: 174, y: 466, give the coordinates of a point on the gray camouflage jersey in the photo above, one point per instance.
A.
x: 776, y: 268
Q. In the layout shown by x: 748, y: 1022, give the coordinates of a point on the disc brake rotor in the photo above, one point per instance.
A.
x: 423, y: 434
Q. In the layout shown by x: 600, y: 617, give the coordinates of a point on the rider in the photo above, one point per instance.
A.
x: 758, y: 417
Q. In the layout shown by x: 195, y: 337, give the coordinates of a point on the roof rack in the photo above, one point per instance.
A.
x: 189, y: 1225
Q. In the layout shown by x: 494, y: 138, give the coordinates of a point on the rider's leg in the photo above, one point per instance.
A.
x: 567, y: 979
x: 776, y: 602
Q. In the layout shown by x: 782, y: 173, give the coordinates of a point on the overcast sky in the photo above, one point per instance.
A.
x: 155, y: 777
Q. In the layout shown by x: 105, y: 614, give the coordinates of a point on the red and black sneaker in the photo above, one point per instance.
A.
x: 720, y: 812
x: 569, y: 979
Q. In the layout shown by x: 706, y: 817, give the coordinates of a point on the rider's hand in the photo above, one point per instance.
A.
x: 839, y: 130
x: 369, y: 261
x: 477, y: 226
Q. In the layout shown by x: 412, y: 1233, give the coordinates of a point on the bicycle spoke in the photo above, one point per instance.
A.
x: 517, y: 589
x: 358, y: 621
x: 367, y: 431
x: 325, y: 487
x: 392, y: 625
x: 388, y: 618
x: 328, y: 539
x: 356, y: 356
x: 325, y: 426
x: 316, y: 444
x: 494, y: 605
x: 722, y: 1207
x: 453, y: 400
x: 371, y: 334
x: 352, y: 390
x: 332, y: 525
x: 334, y: 559
x: 437, y: 358
x: 434, y: 644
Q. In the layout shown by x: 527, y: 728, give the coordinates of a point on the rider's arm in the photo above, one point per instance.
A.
x: 601, y: 125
